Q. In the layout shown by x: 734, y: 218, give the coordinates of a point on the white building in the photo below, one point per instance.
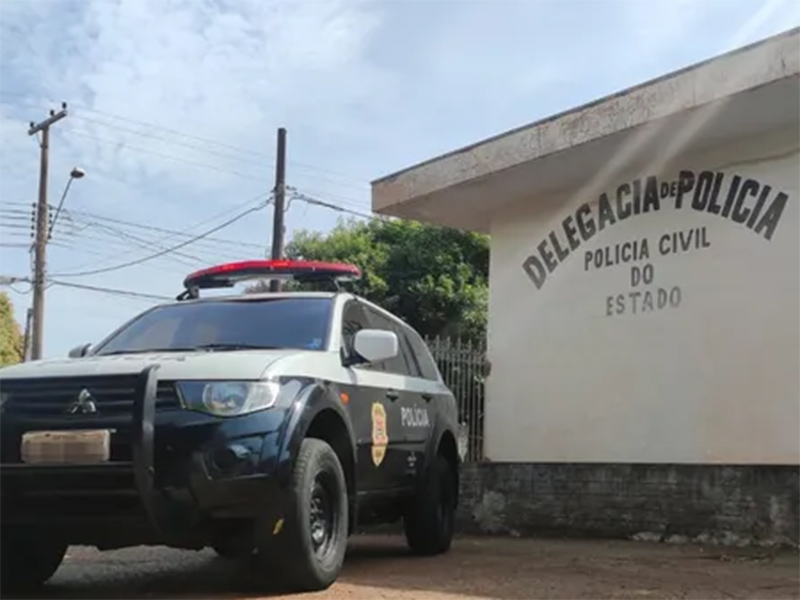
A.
x: 645, y: 272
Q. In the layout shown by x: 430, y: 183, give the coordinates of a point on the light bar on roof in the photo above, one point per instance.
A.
x: 228, y: 274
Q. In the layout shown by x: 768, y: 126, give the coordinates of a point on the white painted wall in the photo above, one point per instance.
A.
x: 713, y: 380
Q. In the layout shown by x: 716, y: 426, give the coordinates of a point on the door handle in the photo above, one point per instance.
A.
x: 392, y: 395
x: 427, y: 397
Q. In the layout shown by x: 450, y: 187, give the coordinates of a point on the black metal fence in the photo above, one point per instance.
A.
x: 463, y: 367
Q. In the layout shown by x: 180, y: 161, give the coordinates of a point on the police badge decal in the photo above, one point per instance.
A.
x: 380, y: 439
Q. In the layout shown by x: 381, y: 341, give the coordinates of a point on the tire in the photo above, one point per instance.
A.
x: 28, y: 560
x: 430, y: 520
x: 305, y: 555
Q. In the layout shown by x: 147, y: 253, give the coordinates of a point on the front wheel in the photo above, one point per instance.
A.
x: 430, y: 519
x: 28, y: 559
x: 308, y: 552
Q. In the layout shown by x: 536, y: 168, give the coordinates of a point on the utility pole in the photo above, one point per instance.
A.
x: 26, y: 341
x: 279, y: 201
x: 42, y: 221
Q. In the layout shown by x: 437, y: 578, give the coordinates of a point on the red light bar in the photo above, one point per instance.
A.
x: 228, y: 274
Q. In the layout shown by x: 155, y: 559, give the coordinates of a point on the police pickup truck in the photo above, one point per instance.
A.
x: 262, y: 425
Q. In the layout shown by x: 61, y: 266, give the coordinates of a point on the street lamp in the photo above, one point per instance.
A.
x: 76, y: 173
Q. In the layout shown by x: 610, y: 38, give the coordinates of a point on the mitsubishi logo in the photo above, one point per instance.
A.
x: 84, y: 405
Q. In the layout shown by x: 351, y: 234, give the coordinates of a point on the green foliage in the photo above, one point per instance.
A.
x: 10, y: 335
x: 435, y: 278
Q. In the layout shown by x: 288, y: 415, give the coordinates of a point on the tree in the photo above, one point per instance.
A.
x: 11, y: 351
x: 435, y: 278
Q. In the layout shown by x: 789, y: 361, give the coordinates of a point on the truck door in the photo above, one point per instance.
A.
x: 374, y: 409
x: 413, y: 402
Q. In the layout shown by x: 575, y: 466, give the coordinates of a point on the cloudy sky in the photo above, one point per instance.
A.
x: 174, y: 105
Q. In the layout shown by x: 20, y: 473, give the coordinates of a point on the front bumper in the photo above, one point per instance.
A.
x: 171, y: 472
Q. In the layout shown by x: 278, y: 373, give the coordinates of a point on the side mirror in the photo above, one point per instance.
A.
x: 375, y: 345
x: 79, y: 351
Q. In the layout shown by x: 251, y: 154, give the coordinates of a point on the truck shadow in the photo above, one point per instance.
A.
x: 164, y: 573
x: 373, y: 563
x: 197, y: 575
x: 499, y: 569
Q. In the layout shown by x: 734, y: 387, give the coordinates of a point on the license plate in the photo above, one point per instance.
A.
x: 66, y: 447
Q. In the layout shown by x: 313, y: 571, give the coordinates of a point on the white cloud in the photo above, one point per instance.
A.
x: 662, y: 28
x: 229, y: 71
x: 363, y: 88
x: 248, y: 65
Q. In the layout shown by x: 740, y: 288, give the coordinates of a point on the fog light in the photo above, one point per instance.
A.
x: 229, y: 457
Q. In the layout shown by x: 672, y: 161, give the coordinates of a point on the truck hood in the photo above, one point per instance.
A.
x: 238, y: 364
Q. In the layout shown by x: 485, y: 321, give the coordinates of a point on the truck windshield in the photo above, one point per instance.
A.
x: 294, y: 323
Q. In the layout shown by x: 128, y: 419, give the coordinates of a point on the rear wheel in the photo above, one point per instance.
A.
x: 28, y: 559
x: 430, y: 519
x: 308, y: 552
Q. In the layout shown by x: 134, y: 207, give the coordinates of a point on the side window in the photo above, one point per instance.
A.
x: 354, y: 320
x: 402, y: 364
x: 405, y: 346
x: 426, y: 363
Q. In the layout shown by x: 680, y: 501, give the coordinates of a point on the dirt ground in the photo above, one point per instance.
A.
x: 379, y: 567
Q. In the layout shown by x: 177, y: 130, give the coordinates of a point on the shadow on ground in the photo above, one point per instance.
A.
x: 164, y: 573
x: 123, y: 574
x: 499, y: 569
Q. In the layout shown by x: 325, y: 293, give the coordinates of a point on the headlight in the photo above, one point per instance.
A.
x: 229, y: 398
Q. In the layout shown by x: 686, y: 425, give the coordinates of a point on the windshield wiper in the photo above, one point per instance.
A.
x: 200, y: 347
x: 231, y: 346
x: 144, y: 350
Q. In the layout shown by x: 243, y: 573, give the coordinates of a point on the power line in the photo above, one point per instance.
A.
x: 163, y: 252
x: 249, y: 151
x: 336, y: 177
x: 111, y: 242
x: 297, y: 195
x: 109, y: 237
x: 165, y: 264
x: 15, y: 220
x: 167, y: 250
x: 345, y: 200
x: 144, y: 123
x: 122, y: 244
x: 168, y: 141
x: 125, y: 145
x: 173, y: 131
x: 6, y: 280
x: 21, y: 203
x: 140, y: 242
x: 17, y: 215
x: 114, y: 291
x: 159, y: 229
x: 172, y: 234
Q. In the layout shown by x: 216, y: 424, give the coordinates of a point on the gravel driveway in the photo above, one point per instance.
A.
x: 378, y: 567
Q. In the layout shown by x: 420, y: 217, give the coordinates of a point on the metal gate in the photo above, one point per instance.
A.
x: 463, y: 367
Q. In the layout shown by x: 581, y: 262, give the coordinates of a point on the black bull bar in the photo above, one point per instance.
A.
x: 136, y: 474
x: 142, y: 445
x: 131, y: 487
